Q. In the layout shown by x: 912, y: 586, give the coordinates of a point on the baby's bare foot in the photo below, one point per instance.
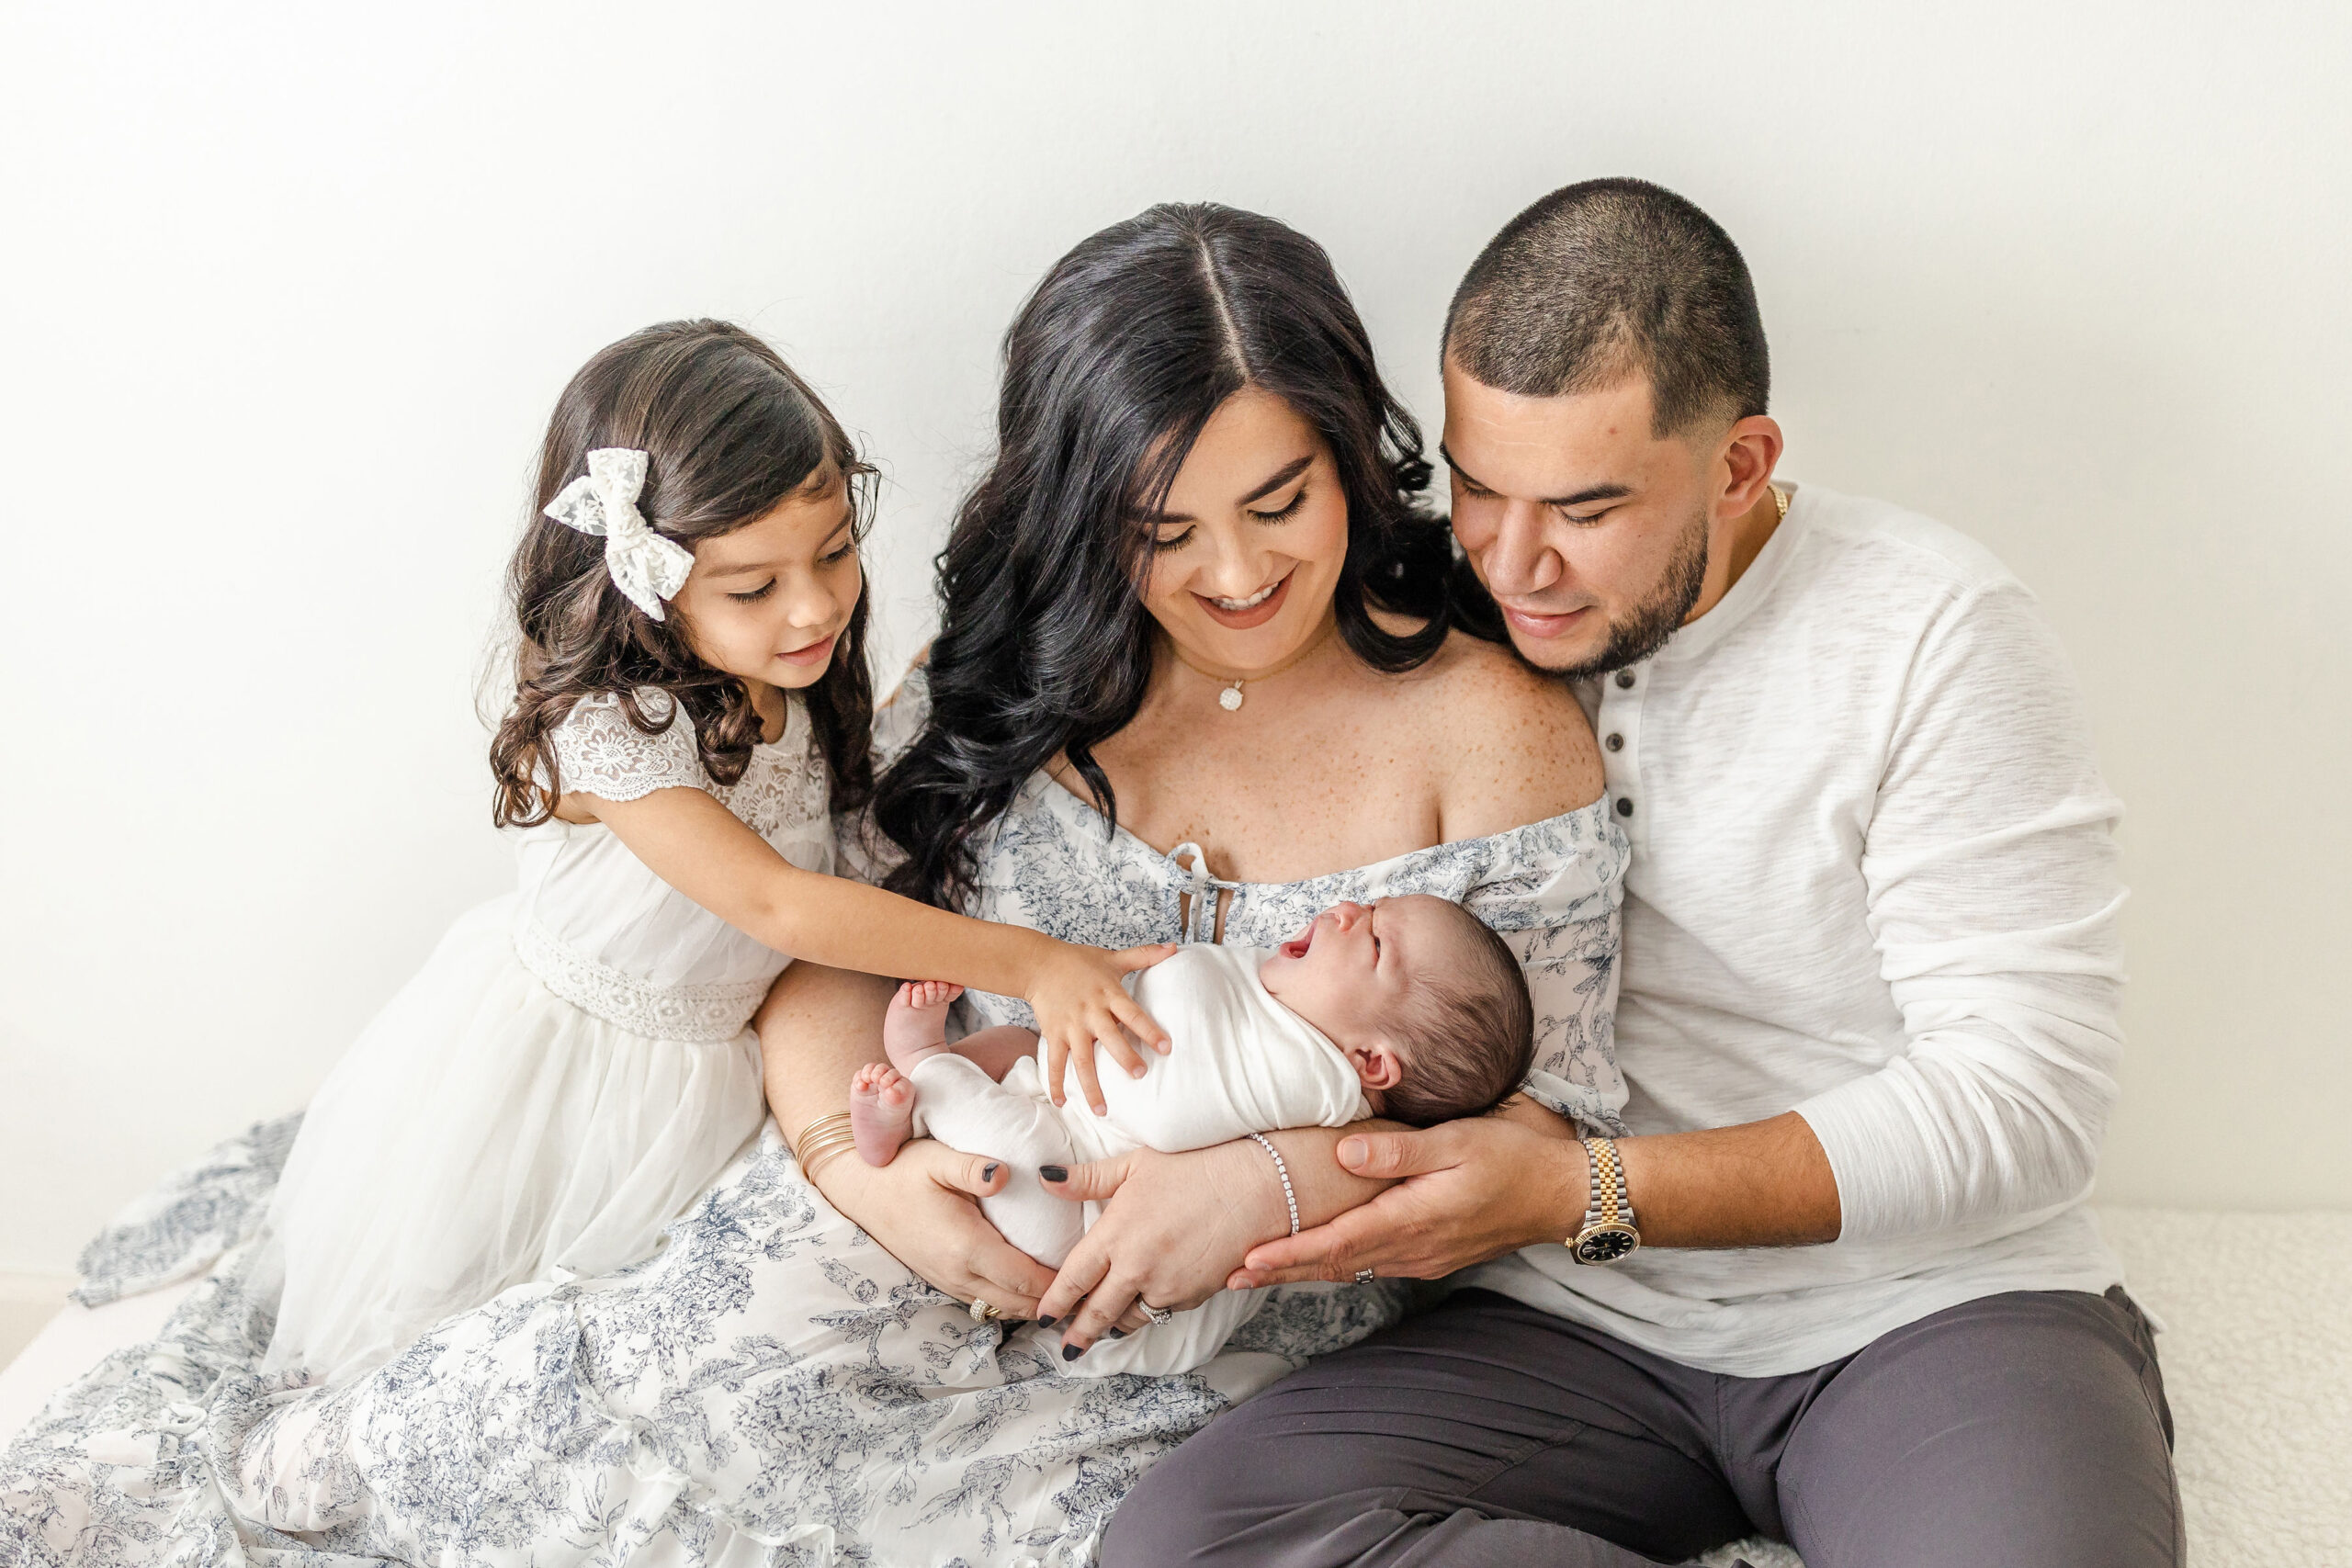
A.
x: 881, y: 1112
x: 916, y: 1025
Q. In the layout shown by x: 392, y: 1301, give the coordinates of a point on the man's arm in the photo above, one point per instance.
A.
x: 1471, y: 1190
x: 1993, y: 897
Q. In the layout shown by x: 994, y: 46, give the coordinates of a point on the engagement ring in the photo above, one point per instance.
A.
x: 1161, y: 1316
x: 1363, y: 1276
x: 982, y: 1312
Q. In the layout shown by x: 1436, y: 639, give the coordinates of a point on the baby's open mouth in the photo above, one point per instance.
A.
x: 1296, y: 946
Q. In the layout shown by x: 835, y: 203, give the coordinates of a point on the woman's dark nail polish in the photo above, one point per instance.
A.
x: 1054, y: 1172
x: 1045, y: 1322
x: 988, y: 1171
x: 1118, y: 1334
x: 1072, y: 1352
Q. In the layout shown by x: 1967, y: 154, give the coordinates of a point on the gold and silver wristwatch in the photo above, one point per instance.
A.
x: 1608, y: 1234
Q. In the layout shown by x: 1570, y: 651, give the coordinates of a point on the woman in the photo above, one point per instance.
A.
x: 1191, y: 405
x: 1194, y: 679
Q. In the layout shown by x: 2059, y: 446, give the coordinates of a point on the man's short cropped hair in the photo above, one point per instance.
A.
x: 1607, y: 277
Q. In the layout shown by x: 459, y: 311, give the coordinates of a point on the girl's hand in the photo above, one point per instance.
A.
x: 921, y: 1208
x: 1173, y: 1227
x: 1076, y: 994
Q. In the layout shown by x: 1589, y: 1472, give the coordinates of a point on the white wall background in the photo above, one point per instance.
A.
x: 286, y: 292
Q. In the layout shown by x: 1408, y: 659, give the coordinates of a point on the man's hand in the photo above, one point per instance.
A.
x: 1173, y: 1227
x: 921, y: 1208
x: 1471, y: 1190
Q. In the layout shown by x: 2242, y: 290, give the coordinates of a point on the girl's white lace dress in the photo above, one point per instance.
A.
x: 570, y: 1068
x: 770, y: 1388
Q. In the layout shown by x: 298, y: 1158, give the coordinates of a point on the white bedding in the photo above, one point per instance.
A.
x: 71, y: 1344
x: 2257, y: 1348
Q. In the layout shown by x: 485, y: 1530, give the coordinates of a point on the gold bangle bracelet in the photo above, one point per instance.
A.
x: 814, y: 1149
x: 821, y: 1157
x: 818, y: 1126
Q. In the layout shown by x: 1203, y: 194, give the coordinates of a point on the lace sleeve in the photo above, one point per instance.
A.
x: 598, y: 751
x: 1556, y: 898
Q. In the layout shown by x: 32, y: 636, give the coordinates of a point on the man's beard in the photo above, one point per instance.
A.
x: 1647, y: 626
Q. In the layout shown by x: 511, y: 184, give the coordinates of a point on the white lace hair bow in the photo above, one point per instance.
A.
x: 603, y: 502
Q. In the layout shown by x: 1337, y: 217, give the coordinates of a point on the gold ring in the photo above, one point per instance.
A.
x: 981, y: 1312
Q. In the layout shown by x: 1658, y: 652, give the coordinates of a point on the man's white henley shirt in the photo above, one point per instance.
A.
x: 1873, y: 881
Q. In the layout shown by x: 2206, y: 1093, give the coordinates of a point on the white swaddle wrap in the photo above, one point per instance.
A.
x: 1240, y: 1062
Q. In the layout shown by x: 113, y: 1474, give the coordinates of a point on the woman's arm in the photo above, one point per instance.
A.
x: 817, y: 1028
x: 694, y: 843
x: 1176, y: 1227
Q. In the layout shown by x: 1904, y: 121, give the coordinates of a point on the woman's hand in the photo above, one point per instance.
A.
x: 921, y: 1208
x: 1174, y: 1228
x: 1076, y: 994
x: 1471, y: 1190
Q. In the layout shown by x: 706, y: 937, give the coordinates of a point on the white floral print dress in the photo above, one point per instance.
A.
x: 772, y: 1388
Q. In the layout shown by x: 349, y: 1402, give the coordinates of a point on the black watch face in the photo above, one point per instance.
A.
x: 1605, y: 1244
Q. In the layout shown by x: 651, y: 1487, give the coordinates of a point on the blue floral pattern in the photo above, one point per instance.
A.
x: 770, y: 1388
x: 1552, y: 889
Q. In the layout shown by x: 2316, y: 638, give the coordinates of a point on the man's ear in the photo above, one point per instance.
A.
x: 1751, y: 451
x: 1379, y: 1065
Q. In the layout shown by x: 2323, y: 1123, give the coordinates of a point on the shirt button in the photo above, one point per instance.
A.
x: 1615, y: 743
x: 1624, y: 806
x: 1625, y: 680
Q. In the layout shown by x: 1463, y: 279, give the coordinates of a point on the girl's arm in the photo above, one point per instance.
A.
x: 700, y: 848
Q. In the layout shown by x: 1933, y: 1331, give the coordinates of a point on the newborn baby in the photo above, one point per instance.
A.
x: 1408, y: 1008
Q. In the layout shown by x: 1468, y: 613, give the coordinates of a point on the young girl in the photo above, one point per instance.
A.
x: 574, y: 1064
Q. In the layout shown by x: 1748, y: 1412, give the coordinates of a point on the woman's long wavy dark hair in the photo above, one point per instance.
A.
x: 1112, y: 369
x: 729, y: 432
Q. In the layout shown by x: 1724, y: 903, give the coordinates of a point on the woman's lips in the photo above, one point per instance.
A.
x: 1257, y: 615
x: 815, y: 653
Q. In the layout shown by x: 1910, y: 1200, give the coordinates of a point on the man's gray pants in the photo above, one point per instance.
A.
x: 2026, y: 1430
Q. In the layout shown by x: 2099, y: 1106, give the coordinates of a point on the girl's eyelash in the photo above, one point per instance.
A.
x: 838, y: 556
x: 1178, y: 543
x: 756, y: 595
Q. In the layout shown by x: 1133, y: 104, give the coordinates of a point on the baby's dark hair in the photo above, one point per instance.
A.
x: 729, y: 432
x: 1471, y: 1032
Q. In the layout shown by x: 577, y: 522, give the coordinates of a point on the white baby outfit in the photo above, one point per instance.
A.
x: 573, y: 1066
x: 1240, y: 1062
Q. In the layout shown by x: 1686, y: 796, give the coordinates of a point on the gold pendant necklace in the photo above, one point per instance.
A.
x: 1231, y: 698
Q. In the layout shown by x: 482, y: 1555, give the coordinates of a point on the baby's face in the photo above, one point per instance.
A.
x: 1350, y: 972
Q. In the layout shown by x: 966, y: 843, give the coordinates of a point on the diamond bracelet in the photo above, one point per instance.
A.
x: 1281, y: 1170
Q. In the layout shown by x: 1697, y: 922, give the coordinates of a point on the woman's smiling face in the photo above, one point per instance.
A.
x: 1250, y: 539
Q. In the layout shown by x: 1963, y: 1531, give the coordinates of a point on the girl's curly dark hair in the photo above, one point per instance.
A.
x: 729, y: 432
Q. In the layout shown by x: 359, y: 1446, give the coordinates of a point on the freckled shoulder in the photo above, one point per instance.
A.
x: 1513, y: 745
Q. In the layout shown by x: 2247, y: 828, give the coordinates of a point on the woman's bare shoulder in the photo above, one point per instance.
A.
x: 1511, y: 744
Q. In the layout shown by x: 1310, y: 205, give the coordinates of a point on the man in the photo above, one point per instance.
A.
x: 1839, y: 1287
